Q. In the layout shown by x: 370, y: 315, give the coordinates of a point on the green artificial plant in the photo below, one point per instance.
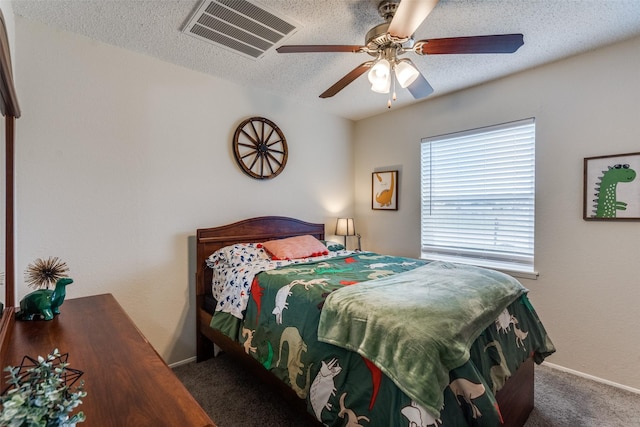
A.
x: 39, y: 394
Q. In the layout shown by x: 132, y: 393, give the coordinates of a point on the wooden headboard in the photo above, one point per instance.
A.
x: 260, y: 229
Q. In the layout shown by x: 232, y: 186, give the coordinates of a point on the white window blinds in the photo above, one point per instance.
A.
x: 478, y: 196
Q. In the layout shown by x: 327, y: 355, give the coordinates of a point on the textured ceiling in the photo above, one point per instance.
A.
x: 552, y: 29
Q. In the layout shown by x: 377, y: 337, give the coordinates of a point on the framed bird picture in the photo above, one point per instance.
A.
x: 384, y: 190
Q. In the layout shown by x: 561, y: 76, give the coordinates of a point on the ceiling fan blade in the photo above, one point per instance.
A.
x: 318, y: 48
x: 409, y: 16
x: 503, y: 43
x: 343, y: 82
x: 420, y: 88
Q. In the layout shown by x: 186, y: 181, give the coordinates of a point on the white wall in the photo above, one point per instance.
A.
x: 121, y: 157
x: 588, y: 290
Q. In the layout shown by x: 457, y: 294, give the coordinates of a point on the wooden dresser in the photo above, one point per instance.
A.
x: 126, y: 381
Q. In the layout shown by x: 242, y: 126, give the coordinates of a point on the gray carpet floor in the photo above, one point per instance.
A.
x: 232, y: 398
x: 566, y: 400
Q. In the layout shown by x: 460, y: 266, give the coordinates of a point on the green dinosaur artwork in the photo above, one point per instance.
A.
x: 44, y: 302
x: 607, y: 204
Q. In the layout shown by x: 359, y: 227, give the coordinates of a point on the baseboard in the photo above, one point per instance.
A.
x: 182, y: 362
x: 591, y: 377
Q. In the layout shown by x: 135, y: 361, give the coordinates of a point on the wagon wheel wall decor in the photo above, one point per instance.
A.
x: 260, y: 148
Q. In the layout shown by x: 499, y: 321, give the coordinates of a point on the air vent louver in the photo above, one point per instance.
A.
x: 240, y: 26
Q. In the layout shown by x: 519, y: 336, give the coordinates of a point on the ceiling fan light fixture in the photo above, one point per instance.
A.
x: 380, y: 76
x: 386, y: 42
x: 405, y: 73
x: 383, y: 87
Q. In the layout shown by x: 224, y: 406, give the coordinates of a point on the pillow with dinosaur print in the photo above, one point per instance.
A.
x: 295, y: 247
x: 333, y: 246
x: 239, y: 254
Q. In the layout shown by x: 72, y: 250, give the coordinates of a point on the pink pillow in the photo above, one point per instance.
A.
x: 295, y: 247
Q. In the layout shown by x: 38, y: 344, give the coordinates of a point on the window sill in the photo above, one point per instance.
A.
x: 521, y: 274
x: 518, y: 274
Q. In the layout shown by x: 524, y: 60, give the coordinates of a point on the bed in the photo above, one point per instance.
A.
x: 357, y: 391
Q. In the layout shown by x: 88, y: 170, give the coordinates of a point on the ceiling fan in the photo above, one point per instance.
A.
x: 388, y: 41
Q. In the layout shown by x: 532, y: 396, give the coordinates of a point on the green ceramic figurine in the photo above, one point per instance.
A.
x: 44, y: 302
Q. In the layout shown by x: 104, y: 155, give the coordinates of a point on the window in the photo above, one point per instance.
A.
x: 478, y: 196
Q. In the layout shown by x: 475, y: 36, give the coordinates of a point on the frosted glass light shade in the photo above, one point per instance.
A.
x: 406, y: 73
x: 380, y: 76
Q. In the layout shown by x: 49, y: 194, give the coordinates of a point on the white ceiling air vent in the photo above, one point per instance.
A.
x: 241, y: 26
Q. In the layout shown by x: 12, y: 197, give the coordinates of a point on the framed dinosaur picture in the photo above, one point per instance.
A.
x: 612, y: 187
x: 384, y: 190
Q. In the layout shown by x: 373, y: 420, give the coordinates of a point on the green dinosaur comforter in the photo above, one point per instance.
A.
x: 341, y: 387
x: 418, y: 325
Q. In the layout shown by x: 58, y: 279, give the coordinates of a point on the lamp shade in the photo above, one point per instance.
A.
x: 380, y: 76
x: 405, y: 73
x: 345, y: 227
